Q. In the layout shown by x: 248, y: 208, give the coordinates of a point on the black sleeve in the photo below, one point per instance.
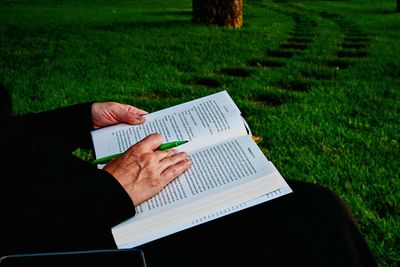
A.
x: 70, y: 126
x: 50, y: 199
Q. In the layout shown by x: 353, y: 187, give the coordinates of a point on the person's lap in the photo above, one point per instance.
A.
x: 311, y: 227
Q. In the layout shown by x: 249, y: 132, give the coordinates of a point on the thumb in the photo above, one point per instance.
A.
x: 133, y: 118
x: 129, y: 114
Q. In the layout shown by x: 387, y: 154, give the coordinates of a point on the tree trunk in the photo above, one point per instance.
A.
x: 228, y: 13
x: 398, y: 6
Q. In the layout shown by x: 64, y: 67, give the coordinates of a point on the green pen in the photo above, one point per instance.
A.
x: 164, y: 146
x: 171, y: 145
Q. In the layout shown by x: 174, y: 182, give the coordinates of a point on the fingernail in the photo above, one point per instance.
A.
x: 139, y: 118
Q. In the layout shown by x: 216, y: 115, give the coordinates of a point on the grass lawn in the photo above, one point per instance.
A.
x: 319, y: 80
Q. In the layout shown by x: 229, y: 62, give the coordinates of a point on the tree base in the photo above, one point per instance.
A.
x: 226, y: 13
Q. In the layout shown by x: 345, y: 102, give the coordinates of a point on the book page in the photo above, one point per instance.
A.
x: 214, y: 168
x: 221, y: 177
x: 206, y: 120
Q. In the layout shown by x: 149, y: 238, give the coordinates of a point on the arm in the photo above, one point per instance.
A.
x: 71, y: 125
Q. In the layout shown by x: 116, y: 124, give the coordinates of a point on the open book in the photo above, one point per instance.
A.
x: 229, y: 172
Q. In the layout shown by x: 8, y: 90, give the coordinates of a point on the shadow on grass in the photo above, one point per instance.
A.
x: 235, y: 72
x: 207, y: 82
x: 269, y: 100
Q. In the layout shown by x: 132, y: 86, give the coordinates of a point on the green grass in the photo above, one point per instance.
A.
x: 326, y: 119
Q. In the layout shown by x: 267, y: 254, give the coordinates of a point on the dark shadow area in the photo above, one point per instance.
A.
x: 269, y: 100
x: 329, y: 15
x: 207, y: 82
x: 350, y: 39
x: 339, y: 63
x: 5, y: 103
x: 235, y: 72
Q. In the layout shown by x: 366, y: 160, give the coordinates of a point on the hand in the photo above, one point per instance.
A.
x: 109, y: 113
x: 143, y: 170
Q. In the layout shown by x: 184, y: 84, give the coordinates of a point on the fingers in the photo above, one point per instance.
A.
x: 164, y: 158
x: 131, y: 118
x: 144, y: 170
x: 137, y: 110
x: 172, y: 157
x: 130, y: 114
x: 150, y: 142
x: 176, y: 169
x: 173, y: 164
x: 110, y: 113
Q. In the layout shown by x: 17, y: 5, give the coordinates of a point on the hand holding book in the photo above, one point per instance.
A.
x: 143, y: 170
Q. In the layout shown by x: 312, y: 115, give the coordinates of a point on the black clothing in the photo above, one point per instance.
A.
x: 54, y: 201
x: 310, y: 227
x: 51, y: 200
